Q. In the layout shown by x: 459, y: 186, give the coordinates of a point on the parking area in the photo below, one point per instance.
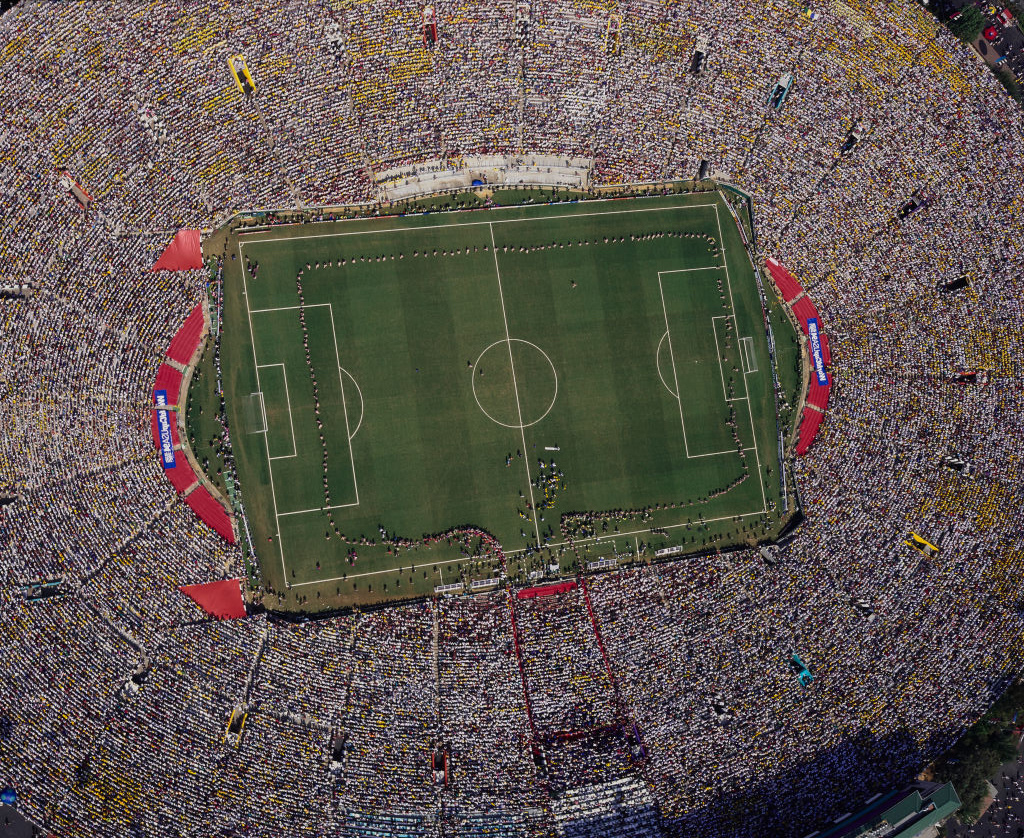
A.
x: 1001, y: 43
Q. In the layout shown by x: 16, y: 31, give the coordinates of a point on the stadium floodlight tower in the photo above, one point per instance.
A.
x: 922, y: 545
x: 800, y: 669
x: 955, y: 462
x: 780, y: 92
x: 957, y: 283
x: 972, y: 376
x: 429, y: 26
x: 863, y: 607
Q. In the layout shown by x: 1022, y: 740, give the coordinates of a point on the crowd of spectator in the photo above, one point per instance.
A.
x: 117, y: 695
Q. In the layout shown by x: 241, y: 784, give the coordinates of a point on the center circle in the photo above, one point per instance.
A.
x: 514, y: 383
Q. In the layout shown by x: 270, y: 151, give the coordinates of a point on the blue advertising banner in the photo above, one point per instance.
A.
x: 819, y: 361
x: 163, y: 425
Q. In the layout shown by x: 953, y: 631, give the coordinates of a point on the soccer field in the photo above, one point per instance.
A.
x: 570, y: 383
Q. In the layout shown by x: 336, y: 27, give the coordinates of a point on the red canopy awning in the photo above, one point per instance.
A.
x: 218, y: 599
x: 182, y: 254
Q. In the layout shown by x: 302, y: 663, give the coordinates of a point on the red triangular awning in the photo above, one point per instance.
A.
x: 222, y: 600
x: 182, y: 254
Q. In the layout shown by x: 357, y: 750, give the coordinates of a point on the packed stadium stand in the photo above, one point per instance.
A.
x: 658, y: 700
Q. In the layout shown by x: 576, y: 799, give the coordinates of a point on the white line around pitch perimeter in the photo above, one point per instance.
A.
x: 451, y: 224
x: 613, y: 536
x: 594, y: 540
x: 746, y: 389
x: 266, y: 441
x: 515, y: 388
x: 320, y: 509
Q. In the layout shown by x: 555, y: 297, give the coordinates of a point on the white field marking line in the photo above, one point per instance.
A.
x: 605, y: 537
x: 320, y: 305
x: 288, y: 398
x: 348, y: 431
x: 714, y: 454
x: 266, y: 442
x: 344, y: 406
x: 748, y: 355
x: 319, y: 509
x: 718, y: 352
x: 362, y: 403
x: 657, y: 363
x: 412, y: 569
x: 256, y: 230
x: 675, y: 375
x: 687, y: 270
x: 721, y: 370
x: 472, y: 224
x: 515, y: 388
x: 746, y: 390
x: 263, y: 412
x: 477, y: 398
x: 613, y: 536
x: 285, y: 308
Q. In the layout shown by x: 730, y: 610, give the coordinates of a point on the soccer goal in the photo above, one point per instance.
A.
x: 255, y: 414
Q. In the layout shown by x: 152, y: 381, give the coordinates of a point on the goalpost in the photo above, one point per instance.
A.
x: 256, y: 414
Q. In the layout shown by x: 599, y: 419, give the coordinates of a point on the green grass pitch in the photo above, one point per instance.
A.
x: 493, y: 370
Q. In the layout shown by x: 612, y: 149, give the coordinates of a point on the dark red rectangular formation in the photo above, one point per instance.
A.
x: 788, y: 287
x: 181, y: 475
x: 807, y: 316
x: 210, y: 511
x: 809, y: 425
x: 186, y: 341
x: 169, y: 380
x: 546, y: 590
x: 184, y: 253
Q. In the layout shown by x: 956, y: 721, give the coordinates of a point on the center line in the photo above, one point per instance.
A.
x: 515, y: 388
